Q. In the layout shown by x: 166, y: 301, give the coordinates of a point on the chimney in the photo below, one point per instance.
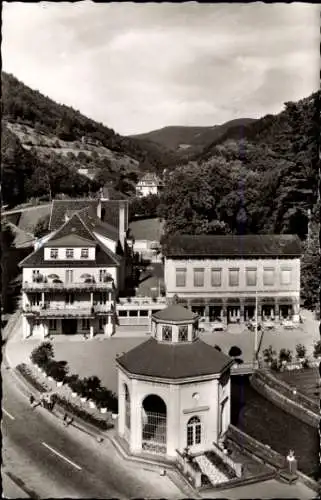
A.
x: 99, y: 209
x: 122, y: 222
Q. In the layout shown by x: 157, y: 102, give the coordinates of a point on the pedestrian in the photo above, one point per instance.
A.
x: 65, y: 419
x: 31, y: 399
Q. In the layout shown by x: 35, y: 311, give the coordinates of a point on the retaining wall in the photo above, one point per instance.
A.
x: 277, y: 392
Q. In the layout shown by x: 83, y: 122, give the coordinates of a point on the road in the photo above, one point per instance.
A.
x: 55, y: 462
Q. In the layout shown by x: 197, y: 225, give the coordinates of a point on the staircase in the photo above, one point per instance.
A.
x: 207, y: 468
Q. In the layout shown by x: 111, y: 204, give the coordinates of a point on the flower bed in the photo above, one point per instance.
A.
x: 29, y: 377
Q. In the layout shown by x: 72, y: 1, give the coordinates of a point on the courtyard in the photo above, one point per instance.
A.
x: 97, y: 356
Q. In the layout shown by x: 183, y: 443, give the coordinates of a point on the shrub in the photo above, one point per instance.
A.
x: 90, y: 386
x: 42, y: 354
x: 29, y: 377
x: 75, y: 384
x: 317, y: 349
x: 300, y: 351
x: 104, y: 398
x: 57, y: 370
x: 79, y: 412
x: 235, y: 351
x: 275, y: 365
x: 217, y: 347
x: 269, y: 354
x: 285, y: 355
x: 238, y: 361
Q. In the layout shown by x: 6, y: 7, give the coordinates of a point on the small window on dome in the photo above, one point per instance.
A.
x: 183, y: 333
x: 167, y: 333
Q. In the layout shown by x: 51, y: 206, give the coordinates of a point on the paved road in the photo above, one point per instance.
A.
x: 57, y: 462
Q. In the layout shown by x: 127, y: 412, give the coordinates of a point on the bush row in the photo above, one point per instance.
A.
x: 82, y: 414
x: 88, y: 387
x: 26, y: 373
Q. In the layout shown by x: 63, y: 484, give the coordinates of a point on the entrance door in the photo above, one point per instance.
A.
x: 69, y: 326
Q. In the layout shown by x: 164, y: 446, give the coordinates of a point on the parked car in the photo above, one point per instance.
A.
x: 288, y: 324
x: 251, y: 324
x: 268, y: 324
x: 210, y: 326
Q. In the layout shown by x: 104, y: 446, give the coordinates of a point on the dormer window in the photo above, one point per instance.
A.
x: 54, y: 253
x: 69, y: 253
x: 84, y: 253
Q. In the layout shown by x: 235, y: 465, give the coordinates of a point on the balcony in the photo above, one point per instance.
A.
x: 67, y: 310
x: 135, y: 302
x: 46, y: 286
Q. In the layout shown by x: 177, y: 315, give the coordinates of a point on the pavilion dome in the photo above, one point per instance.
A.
x: 175, y: 324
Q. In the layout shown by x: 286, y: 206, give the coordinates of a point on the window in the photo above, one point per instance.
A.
x: 52, y: 324
x: 53, y: 253
x: 167, y: 333
x: 181, y: 276
x: 103, y: 298
x: 122, y: 313
x: 183, y: 333
x: 69, y: 276
x: 85, y: 324
x: 133, y: 313
x: 127, y: 407
x: 216, y: 277
x: 268, y: 276
x: 84, y: 253
x: 69, y: 298
x: 251, y: 276
x: 69, y: 253
x: 143, y: 313
x: 35, y: 276
x: 194, y: 431
x: 199, y: 276
x: 102, y: 274
x: 286, y: 276
x: 234, y: 277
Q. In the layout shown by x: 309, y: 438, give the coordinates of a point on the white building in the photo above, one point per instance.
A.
x: 149, y: 184
x: 71, y: 280
x: 173, y: 389
x: 220, y: 276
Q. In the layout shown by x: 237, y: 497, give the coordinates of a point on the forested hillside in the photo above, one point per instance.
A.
x: 42, y: 137
x: 264, y: 181
x: 187, y: 141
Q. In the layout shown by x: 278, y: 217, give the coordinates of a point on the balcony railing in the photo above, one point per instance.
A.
x: 65, y: 310
x: 43, y: 286
x: 141, y: 301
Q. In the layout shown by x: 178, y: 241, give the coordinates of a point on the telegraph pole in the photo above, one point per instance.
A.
x: 256, y: 326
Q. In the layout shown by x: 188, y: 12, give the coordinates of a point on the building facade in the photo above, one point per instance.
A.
x: 72, y: 279
x: 224, y: 277
x: 149, y: 184
x: 174, y: 389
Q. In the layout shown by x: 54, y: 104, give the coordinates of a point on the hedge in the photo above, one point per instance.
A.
x: 27, y: 374
x: 78, y: 412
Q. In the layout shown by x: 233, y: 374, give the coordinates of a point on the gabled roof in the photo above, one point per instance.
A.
x: 109, y: 208
x: 70, y: 240
x: 93, y: 223
x: 174, y: 360
x: 150, y: 177
x: 73, y: 230
x: 175, y: 313
x: 263, y: 245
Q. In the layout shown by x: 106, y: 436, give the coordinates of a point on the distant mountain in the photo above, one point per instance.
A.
x: 47, y: 130
x: 188, y: 140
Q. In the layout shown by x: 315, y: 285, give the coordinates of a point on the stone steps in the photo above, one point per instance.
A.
x: 207, y: 468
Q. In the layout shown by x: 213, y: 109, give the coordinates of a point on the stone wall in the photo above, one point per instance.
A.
x: 278, y: 393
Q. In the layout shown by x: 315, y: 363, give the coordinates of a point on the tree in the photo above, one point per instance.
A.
x: 7, y: 238
x: 311, y: 270
x: 42, y: 227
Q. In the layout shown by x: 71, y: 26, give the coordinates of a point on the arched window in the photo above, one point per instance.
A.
x: 127, y: 407
x: 194, y: 431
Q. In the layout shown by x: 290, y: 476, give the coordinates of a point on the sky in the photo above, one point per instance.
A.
x: 140, y: 67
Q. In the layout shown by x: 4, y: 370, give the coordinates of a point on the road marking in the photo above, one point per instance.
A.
x: 61, y: 456
x: 8, y: 414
